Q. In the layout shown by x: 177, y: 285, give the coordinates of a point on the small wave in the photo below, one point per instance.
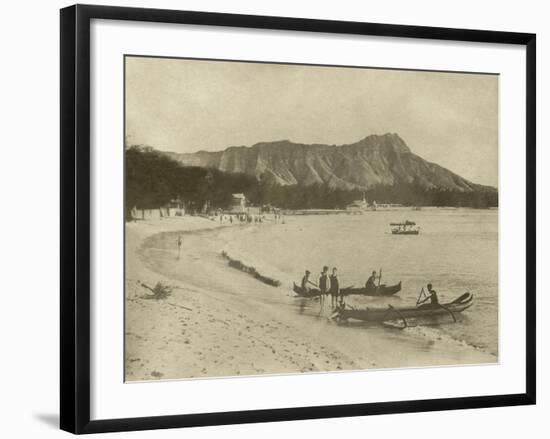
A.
x: 434, y: 334
x: 239, y: 265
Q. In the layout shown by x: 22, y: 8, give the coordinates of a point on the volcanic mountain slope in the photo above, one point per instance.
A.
x: 375, y: 160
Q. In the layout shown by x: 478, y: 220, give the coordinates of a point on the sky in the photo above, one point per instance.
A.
x: 186, y: 105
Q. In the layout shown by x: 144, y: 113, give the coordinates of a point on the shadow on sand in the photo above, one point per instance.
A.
x: 49, y: 419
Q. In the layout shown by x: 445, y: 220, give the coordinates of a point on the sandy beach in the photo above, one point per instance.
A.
x: 219, y: 321
x: 195, y: 333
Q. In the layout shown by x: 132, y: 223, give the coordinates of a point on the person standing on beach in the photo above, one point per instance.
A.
x: 180, y: 242
x: 334, y: 288
x: 323, y: 286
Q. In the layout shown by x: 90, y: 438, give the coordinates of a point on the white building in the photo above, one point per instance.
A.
x: 238, y: 203
x: 358, y: 205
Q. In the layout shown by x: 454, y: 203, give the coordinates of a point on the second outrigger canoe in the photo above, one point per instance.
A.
x: 382, y: 290
x: 395, y: 313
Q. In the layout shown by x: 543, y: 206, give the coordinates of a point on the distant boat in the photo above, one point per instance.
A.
x: 395, y: 313
x: 405, y: 228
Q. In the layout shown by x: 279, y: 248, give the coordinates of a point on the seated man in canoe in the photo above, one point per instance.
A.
x: 370, y: 285
x: 431, y: 296
x: 306, y: 282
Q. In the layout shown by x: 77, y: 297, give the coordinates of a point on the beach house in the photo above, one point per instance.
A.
x: 357, y: 206
x: 238, y: 203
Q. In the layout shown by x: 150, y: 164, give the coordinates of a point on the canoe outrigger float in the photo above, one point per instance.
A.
x: 404, y: 228
x: 381, y: 315
x: 380, y: 290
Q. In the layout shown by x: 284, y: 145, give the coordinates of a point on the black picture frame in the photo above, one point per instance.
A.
x: 75, y: 217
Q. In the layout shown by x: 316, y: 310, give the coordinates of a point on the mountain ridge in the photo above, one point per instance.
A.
x: 374, y: 160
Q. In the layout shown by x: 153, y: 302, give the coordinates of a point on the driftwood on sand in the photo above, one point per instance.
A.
x: 160, y: 292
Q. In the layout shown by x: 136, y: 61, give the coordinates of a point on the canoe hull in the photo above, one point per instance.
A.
x: 391, y: 313
x: 313, y: 292
x: 382, y: 290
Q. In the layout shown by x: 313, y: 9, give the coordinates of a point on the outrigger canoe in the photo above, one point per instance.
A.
x: 312, y: 292
x: 382, y: 290
x: 402, y: 313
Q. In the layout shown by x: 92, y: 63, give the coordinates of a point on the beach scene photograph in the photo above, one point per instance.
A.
x: 293, y: 218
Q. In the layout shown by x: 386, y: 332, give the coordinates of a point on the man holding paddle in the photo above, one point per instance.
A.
x: 431, y: 296
x: 370, y: 285
x: 306, y: 282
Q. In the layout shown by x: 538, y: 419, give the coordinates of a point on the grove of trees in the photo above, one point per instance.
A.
x: 153, y: 180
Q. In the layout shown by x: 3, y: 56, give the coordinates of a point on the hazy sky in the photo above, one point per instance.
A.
x: 188, y: 105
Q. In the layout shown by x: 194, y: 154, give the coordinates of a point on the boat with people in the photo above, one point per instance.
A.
x: 381, y: 315
x: 380, y: 290
x: 405, y: 228
x: 306, y: 292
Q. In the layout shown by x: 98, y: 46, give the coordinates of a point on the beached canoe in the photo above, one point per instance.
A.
x: 382, y: 290
x: 402, y: 313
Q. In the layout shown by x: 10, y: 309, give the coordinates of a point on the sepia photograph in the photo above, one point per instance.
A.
x: 294, y: 218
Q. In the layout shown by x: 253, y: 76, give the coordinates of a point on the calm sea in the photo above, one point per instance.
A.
x: 456, y: 251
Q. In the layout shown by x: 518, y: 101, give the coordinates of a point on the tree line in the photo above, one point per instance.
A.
x: 153, y: 180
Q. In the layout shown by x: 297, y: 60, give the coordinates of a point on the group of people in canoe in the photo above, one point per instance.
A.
x: 329, y: 284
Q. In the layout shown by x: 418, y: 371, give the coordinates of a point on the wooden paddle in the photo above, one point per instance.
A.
x: 419, y: 296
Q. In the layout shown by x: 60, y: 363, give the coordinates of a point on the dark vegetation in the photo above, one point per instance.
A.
x: 154, y: 180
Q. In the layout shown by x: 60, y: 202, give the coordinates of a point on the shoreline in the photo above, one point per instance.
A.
x: 216, y: 338
x: 222, y: 322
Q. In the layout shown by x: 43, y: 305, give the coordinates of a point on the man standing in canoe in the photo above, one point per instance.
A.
x: 371, y: 282
x: 323, y: 286
x: 334, y: 288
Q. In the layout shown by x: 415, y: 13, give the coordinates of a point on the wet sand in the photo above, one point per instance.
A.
x: 219, y: 321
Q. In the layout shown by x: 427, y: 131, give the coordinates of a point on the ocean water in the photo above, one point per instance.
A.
x: 456, y: 251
